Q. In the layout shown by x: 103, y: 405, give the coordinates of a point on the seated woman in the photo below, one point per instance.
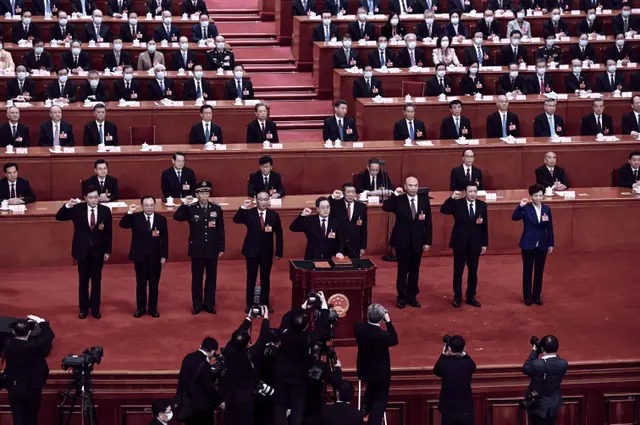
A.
x: 393, y: 29
x: 443, y: 53
x: 473, y: 82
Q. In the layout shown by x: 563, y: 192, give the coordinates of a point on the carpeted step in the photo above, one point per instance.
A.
x: 256, y: 54
x: 300, y: 110
x: 269, y: 67
x: 236, y: 42
x: 233, y: 17
x: 314, y: 125
x: 284, y: 95
x: 283, y: 81
x: 311, y: 135
x: 247, y: 29
x: 216, y: 5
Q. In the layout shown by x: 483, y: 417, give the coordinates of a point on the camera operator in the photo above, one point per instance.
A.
x: 26, y: 367
x: 196, y: 381
x: 265, y: 361
x: 374, y: 362
x: 546, y: 375
x: 294, y: 360
x: 324, y: 373
x: 342, y: 412
x: 455, y: 368
x: 241, y: 380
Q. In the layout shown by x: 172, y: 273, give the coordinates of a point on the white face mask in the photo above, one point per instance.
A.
x: 166, y: 20
x: 591, y: 17
x: 362, y: 16
x: 198, y: 75
x: 117, y: 47
x: 473, y: 70
x: 326, y: 22
x: 411, y: 45
x: 394, y: 22
x: 520, y: 15
x: 133, y: 21
x: 97, y: 20
x: 346, y: 43
x: 550, y: 42
x: 62, y: 22
x: 555, y: 17
x: 160, y: 75
x: 440, y: 73
x: 626, y: 13
x: 204, y: 23
x: 26, y: 21
x: 429, y: 21
x: 382, y: 46
x: 151, y: 48
x: 577, y: 69
x: 22, y: 75
x: 513, y: 74
x: 583, y: 43
x: 489, y: 19
x: 368, y: 74
x: 75, y: 51
x: 611, y: 69
x: 541, y: 71
x: 39, y: 50
x: 455, y: 21
x: 444, y: 44
x: 620, y: 43
x: 128, y: 76
x: 220, y: 45
x: 238, y: 74
x: 515, y: 41
x: 63, y: 78
x: 478, y: 40
x: 184, y: 46
x: 94, y: 83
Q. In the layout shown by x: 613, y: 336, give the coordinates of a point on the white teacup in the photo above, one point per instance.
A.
x: 57, y: 148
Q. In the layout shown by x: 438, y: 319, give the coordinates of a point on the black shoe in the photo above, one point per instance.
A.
x: 196, y: 310
x: 538, y: 302
x: 138, y: 313
x: 210, y: 310
x: 155, y: 314
x: 527, y: 302
x: 456, y: 303
x: 474, y: 302
x: 415, y: 303
x: 401, y: 304
x: 82, y: 315
x: 96, y: 314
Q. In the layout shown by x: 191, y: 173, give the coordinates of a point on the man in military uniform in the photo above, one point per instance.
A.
x: 550, y: 52
x: 220, y: 57
x: 206, y: 244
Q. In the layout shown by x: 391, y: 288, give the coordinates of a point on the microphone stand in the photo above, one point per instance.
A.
x: 389, y: 256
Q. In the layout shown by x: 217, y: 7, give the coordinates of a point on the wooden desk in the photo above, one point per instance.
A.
x: 597, y: 219
x: 376, y: 119
x: 172, y: 123
x: 304, y: 166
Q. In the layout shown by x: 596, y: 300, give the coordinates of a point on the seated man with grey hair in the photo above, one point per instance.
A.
x: 374, y: 363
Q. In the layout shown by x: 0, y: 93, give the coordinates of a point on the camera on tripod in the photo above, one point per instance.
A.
x: 85, y: 360
x: 81, y: 387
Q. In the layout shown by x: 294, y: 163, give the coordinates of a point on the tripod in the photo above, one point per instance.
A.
x: 80, y: 387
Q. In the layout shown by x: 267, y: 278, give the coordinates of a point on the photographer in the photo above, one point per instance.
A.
x: 26, y: 367
x: 455, y: 368
x: 265, y: 361
x: 325, y: 373
x: 294, y: 361
x: 374, y: 362
x: 241, y: 380
x: 196, y: 382
x: 342, y: 412
x: 543, y: 399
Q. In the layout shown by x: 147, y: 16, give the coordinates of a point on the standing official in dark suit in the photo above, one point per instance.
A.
x: 40, y: 7
x: 611, y: 80
x: 629, y: 174
x: 535, y: 243
x: 75, y: 59
x: 456, y: 125
x: 502, y: 123
x: 160, y: 87
x: 196, y: 380
x: 262, y: 223
x: 325, y: 234
x: 156, y: 7
x: 465, y: 173
x: 91, y: 245
x: 266, y: 180
x: 440, y: 83
x: 478, y: 53
x: 381, y: 56
x: 373, y: 360
x: 342, y: 412
x: 488, y: 26
x: 239, y: 87
x: 631, y: 120
x: 192, y: 7
x: 56, y: 132
x: 262, y: 128
x: 428, y: 28
x: 373, y: 179
x: 62, y: 29
x: 184, y: 58
x: 106, y: 185
x: 303, y: 7
x: 469, y: 240
x: 161, y: 411
x: 550, y: 175
x: 410, y: 55
x: 100, y: 131
x: 548, y: 124
x: 455, y: 369
x: 206, y: 244
x: 583, y: 50
x: 546, y: 373
x: 340, y: 126
x: 409, y: 127
x: 354, y: 213
x: 514, y: 52
x: 25, y: 29
x: 13, y: 132
x: 96, y: 30
x: 166, y: 31
x: 118, y: 8
x: 367, y: 85
x: 206, y: 30
x: 512, y: 82
x: 178, y: 181
x: 84, y: 7
x: 14, y: 189
x: 149, y: 251
x: 26, y: 368
x: 205, y: 132
x: 411, y: 236
x: 540, y: 82
x: 325, y: 31
x: 361, y: 29
x: 598, y: 122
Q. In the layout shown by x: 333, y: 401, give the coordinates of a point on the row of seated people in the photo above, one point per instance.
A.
x: 114, y: 8
x: 502, y: 123
x: 179, y: 181
x: 513, y: 82
x: 57, y: 132
x: 23, y: 88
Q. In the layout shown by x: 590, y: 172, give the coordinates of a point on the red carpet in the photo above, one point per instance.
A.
x: 589, y: 301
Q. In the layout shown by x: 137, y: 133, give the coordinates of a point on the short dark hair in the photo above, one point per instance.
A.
x: 535, y: 188
x: 454, y: 102
x: 373, y: 160
x: 441, y: 65
x: 89, y: 188
x: 159, y: 406
x: 209, y: 344
x: 265, y: 160
x: 100, y: 161
x: 634, y: 153
x: 179, y: 153
x: 550, y: 344
x: 339, y: 103
x: 257, y: 105
x: 408, y: 105
x: 345, y: 391
x: 474, y: 184
x: 345, y: 185
x: 517, y: 32
x: 320, y: 200
x: 203, y: 107
x: 9, y: 165
x: 147, y: 197
x: 467, y: 149
x: 99, y: 106
x: 439, y: 41
x: 633, y: 97
x: 456, y: 344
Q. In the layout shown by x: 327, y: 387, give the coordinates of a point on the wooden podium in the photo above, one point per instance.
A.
x: 347, y: 288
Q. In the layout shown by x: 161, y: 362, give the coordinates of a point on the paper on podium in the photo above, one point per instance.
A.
x: 112, y: 205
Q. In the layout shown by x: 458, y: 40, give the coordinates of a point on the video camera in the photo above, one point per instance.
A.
x: 535, y: 341
x: 256, y: 310
x: 219, y: 367
x: 85, y: 360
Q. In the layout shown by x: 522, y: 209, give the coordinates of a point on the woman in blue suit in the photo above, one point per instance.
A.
x: 536, y: 242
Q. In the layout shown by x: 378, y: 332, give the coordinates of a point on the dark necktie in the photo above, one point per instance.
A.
x: 349, y: 211
x: 340, y: 129
x: 92, y: 219
x: 266, y: 183
x: 198, y: 90
x: 324, y: 227
x: 441, y: 84
x: 413, y: 208
x: 262, y: 219
x: 368, y: 85
x: 75, y: 61
x: 382, y: 61
x: 126, y: 86
x: 239, y: 88
x: 262, y: 127
x: 12, y: 192
x: 149, y: 223
x: 204, y: 33
x: 179, y: 176
x: 14, y: 130
x: 472, y: 213
x: 635, y: 174
x: 468, y: 174
x: 638, y: 122
x: 599, y: 124
x: 101, y: 186
x: 613, y: 83
x: 373, y: 183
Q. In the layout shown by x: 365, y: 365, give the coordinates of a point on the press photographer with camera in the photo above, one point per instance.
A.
x: 241, y: 383
x: 455, y: 369
x: 294, y: 359
x: 374, y: 362
x: 342, y: 412
x: 26, y: 369
x: 543, y: 398
x: 197, y: 396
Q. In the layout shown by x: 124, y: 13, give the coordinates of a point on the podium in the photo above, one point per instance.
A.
x: 347, y: 288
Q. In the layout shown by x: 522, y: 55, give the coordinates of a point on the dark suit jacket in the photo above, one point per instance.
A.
x: 66, y: 60
x: 572, y: 83
x: 320, y: 246
x: 200, y: 387
x: 154, y: 92
x: 23, y: 190
x: 544, y: 177
x: 467, y: 233
x: 231, y: 89
x: 258, y: 240
x: 28, y: 86
x: 451, y: 31
x: 99, y: 239
x: 488, y: 30
x: 31, y: 63
x: 575, y: 52
x: 340, y: 413
x: 335, y: 6
x: 360, y: 88
x: 365, y: 4
x: 113, y: 7
x: 354, y: 30
x: 76, y: 6
x: 494, y: 125
x: 603, y: 82
x: 534, y: 83
x: 625, y: 176
x: 330, y: 129
x: 389, y: 31
x: 355, y: 228
x: 18, y: 33
x: 99, y: 94
x: 110, y: 186
x: 455, y: 390
x: 318, y: 32
x: 422, y: 30
x: 6, y: 138
x: 160, y: 33
x: 616, y: 54
x: 189, y: 91
x: 596, y: 26
x: 617, y: 24
x: 410, y: 232
x: 256, y: 184
x: 458, y: 5
x: 92, y: 137
x: 186, y: 6
x: 255, y: 134
x: 507, y: 56
x: 395, y: 8
x: 458, y: 179
x: 469, y: 86
x: 589, y: 126
x: 419, y: 6
x: 152, y: 4
x: 401, y: 130
x: 564, y: 5
x: 57, y: 34
x: 197, y: 136
x: 363, y: 181
x: 174, y: 188
x: 109, y: 59
x: 471, y: 56
x: 403, y: 60
x: 373, y: 362
x: 145, y: 245
x: 66, y: 134
x: 505, y: 85
x: 535, y: 233
x: 120, y: 91
x: 373, y: 58
x: 105, y: 33
x: 434, y: 89
x: 53, y: 90
x: 178, y: 62
x: 549, y: 29
x: 298, y: 9
x: 196, y: 31
x: 26, y: 360
x: 127, y: 37
x: 39, y: 9
x: 546, y: 377
x: 5, y: 6
x: 541, y: 125
x: 448, y: 128
x: 340, y: 59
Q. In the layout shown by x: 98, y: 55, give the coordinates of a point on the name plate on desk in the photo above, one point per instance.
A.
x: 373, y: 200
x: 489, y: 196
x: 22, y: 151
x: 69, y: 150
x: 358, y: 145
x: 277, y: 146
x: 275, y: 203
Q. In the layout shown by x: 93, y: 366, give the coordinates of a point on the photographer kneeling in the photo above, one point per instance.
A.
x: 241, y: 381
x: 455, y: 368
x: 543, y: 399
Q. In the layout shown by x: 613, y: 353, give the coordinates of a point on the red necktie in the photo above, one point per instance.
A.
x: 349, y: 211
x: 92, y: 219
x: 262, y: 220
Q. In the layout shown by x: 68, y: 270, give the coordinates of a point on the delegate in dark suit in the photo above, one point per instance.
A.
x: 355, y: 30
x: 411, y: 232
x: 425, y: 31
x: 374, y: 3
x: 626, y: 176
x: 487, y: 30
x: 22, y: 190
x: 177, y: 187
x: 231, y: 89
x: 155, y: 92
x: 355, y: 226
x: 128, y: 36
x: 603, y: 82
x: 14, y: 90
x: 402, y: 58
x: 364, y: 181
x: 590, y: 127
x: 39, y: 7
x: 494, y: 125
x: 178, y: 61
x: 258, y: 249
x: 546, y: 376
x: 340, y: 59
x: 31, y: 61
x: 319, y: 32
x: 577, y: 52
x: 470, y: 234
x: 21, y: 138
x: 330, y: 129
x: 372, y: 89
x: 506, y: 84
x: 104, y: 34
x: 197, y: 379
x: 67, y: 61
x: 69, y: 91
x: 507, y: 55
x: 298, y: 9
x: 187, y: 6
x: 573, y: 83
x: 335, y: 6
x: 545, y: 178
x: 110, y: 62
x: 456, y: 399
x: 98, y: 94
x: 120, y: 90
x: 153, y: 6
x: 541, y: 125
x: 57, y: 32
x: 120, y: 7
x: 161, y: 33
x: 471, y: 55
x: 320, y: 246
x: 18, y: 32
x: 373, y: 366
x: 190, y: 91
x: 533, y: 82
x: 257, y: 184
x: 458, y: 179
x: 401, y: 130
x: 65, y: 136
x: 256, y: 135
x: 89, y: 247
x: 448, y: 128
x: 435, y: 89
x: 197, y: 32
x: 92, y: 135
x: 587, y: 27
x: 197, y: 135
x: 629, y: 123
x: 76, y: 6
x: 149, y: 244
x: 109, y: 187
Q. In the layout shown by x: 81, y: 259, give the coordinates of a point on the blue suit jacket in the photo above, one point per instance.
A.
x: 534, y: 232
